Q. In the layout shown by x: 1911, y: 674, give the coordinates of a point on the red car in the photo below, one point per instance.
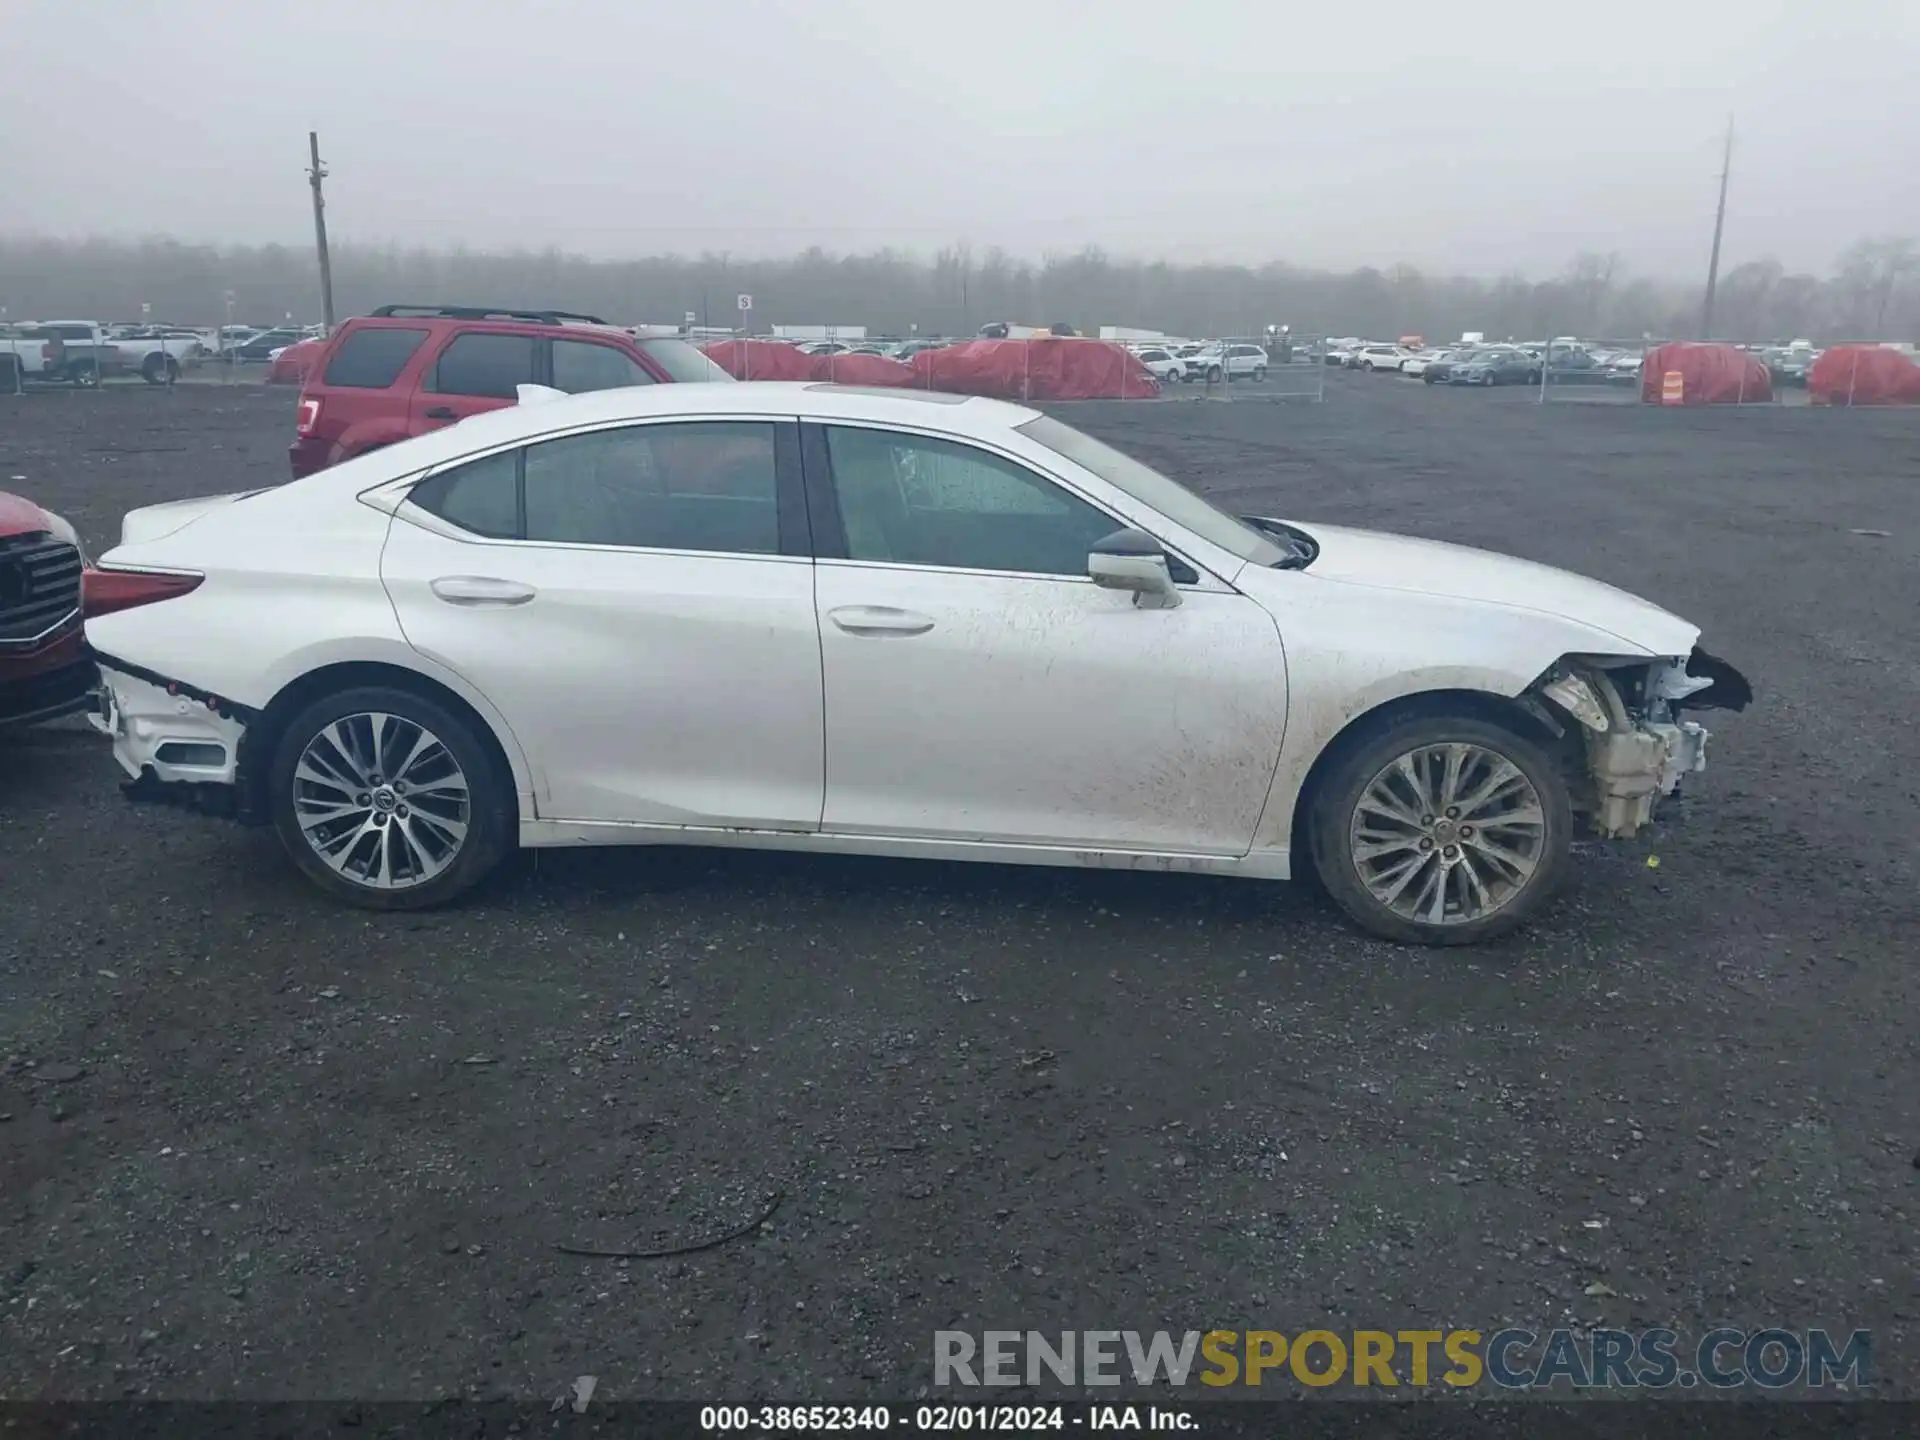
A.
x: 408, y: 369
x: 45, y: 668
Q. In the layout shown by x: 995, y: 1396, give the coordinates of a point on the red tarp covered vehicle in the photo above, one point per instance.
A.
x: 1864, y: 375
x: 760, y: 360
x: 1048, y: 368
x: 861, y: 370
x: 1709, y: 375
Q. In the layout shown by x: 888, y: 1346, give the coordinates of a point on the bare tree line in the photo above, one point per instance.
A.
x: 1872, y: 292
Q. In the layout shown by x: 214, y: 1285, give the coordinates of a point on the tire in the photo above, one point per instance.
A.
x: 461, y: 764
x: 1215, y: 375
x: 1368, y: 367
x: 1333, y: 827
x: 160, y: 370
x: 1259, y: 374
x: 84, y: 373
x: 1430, y: 378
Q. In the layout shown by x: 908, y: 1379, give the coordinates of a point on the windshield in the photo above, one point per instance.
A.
x: 1149, y: 486
x: 682, y: 361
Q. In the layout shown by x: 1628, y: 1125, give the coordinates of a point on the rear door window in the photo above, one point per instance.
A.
x: 372, y: 359
x: 489, y: 365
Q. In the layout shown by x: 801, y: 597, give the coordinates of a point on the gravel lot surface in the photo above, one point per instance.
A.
x: 254, y: 1145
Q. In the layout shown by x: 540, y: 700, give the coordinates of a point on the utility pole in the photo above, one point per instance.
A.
x: 315, y: 177
x: 1719, y: 224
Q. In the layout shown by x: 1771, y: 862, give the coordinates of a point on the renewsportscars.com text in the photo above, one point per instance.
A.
x: 1512, y: 1359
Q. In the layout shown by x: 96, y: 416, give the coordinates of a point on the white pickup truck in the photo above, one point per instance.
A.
x: 28, y: 352
x: 93, y: 352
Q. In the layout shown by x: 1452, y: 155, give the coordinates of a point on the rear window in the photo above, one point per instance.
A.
x: 372, y: 359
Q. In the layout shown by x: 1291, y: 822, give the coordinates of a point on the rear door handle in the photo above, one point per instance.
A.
x: 442, y: 412
x: 476, y: 590
x: 879, y: 620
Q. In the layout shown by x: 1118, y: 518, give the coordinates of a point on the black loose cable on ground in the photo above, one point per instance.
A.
x: 773, y: 1204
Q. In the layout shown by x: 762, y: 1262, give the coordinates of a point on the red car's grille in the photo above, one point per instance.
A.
x: 39, y: 587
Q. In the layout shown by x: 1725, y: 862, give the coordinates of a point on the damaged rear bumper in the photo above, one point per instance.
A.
x: 173, y: 740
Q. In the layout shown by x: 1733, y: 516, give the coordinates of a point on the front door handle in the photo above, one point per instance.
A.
x: 879, y: 620
x: 442, y: 412
x: 475, y: 590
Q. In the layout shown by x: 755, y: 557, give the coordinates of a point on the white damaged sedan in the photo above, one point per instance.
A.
x: 812, y: 617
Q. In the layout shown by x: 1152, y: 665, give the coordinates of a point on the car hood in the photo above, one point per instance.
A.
x: 1433, y: 567
x: 20, y: 517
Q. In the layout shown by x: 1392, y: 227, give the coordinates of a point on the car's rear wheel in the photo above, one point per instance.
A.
x: 84, y: 373
x: 1442, y: 830
x: 160, y: 370
x: 389, y: 799
x: 1259, y: 374
x: 1215, y: 375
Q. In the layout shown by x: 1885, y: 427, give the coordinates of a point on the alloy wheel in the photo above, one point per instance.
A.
x: 1447, y: 834
x: 381, y: 800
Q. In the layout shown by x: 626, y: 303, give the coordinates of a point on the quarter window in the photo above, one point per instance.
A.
x: 372, y: 359
x: 482, y: 496
x: 914, y: 500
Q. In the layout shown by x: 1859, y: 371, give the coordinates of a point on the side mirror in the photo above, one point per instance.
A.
x: 1133, y: 560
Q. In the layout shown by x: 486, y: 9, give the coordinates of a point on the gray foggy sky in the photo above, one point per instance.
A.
x: 1476, y: 136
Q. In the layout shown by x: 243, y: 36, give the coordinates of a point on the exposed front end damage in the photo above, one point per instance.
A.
x: 1632, y: 745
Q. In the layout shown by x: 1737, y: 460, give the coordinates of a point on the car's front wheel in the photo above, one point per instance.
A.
x: 1441, y: 830
x: 389, y: 799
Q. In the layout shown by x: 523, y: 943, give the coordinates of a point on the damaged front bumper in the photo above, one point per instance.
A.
x: 172, y: 739
x: 1636, y: 747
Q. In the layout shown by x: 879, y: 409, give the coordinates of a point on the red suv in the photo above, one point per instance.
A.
x: 408, y: 369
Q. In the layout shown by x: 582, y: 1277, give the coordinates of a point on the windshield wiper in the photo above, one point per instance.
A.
x: 1302, y: 549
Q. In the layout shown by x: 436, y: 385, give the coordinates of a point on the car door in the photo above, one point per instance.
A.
x: 475, y: 371
x: 637, y: 602
x: 981, y: 688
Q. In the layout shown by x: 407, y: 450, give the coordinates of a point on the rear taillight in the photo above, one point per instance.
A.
x: 307, y: 417
x: 104, y: 591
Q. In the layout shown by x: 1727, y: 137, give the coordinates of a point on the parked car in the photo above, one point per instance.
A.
x: 1226, y: 362
x: 1167, y: 367
x: 1416, y: 364
x: 1341, y: 352
x: 1790, y: 366
x: 1624, y: 367
x: 45, y: 670
x: 408, y: 369
x: 260, y: 347
x: 537, y: 628
x: 29, y: 352
x: 1438, y: 372
x: 1381, y: 357
x: 1495, y: 367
